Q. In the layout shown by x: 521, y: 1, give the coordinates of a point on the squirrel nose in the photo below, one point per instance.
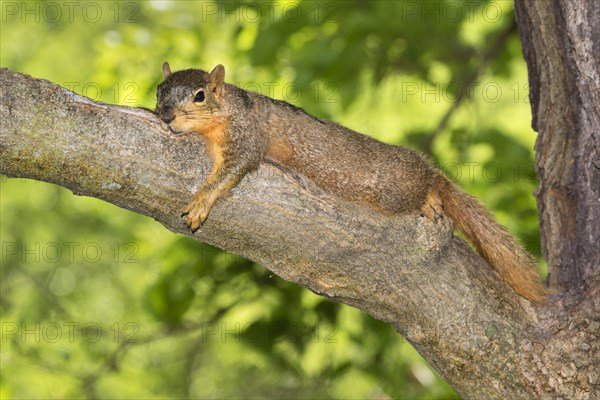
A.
x: 165, y: 114
x: 167, y: 118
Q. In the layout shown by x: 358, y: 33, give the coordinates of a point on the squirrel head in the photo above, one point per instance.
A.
x: 191, y: 100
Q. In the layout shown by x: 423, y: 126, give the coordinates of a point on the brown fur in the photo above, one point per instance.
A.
x: 242, y: 128
x: 492, y: 241
x: 433, y: 207
x: 280, y: 150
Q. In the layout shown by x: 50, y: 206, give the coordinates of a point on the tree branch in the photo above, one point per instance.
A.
x: 404, y: 270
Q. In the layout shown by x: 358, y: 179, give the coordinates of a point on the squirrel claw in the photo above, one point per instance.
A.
x: 193, y: 224
x: 196, y: 215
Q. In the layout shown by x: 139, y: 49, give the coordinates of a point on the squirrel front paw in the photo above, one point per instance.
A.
x: 196, y: 212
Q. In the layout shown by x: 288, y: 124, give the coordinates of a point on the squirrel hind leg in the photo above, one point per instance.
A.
x: 433, y: 208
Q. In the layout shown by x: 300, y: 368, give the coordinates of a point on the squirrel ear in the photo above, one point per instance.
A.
x: 217, y: 77
x: 166, y: 70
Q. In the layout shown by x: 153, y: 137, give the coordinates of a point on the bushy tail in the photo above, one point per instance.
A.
x: 492, y: 241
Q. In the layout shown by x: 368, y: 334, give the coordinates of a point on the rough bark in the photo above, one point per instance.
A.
x: 561, y: 44
x: 481, y: 337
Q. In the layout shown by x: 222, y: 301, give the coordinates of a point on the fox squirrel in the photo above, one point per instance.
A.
x: 243, y: 128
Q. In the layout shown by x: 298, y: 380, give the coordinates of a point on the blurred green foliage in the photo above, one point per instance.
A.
x: 99, y: 302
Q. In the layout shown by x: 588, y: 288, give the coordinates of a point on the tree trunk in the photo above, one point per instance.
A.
x: 472, y: 328
x: 561, y: 44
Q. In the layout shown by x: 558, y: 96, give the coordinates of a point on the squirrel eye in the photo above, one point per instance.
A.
x: 199, y: 98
